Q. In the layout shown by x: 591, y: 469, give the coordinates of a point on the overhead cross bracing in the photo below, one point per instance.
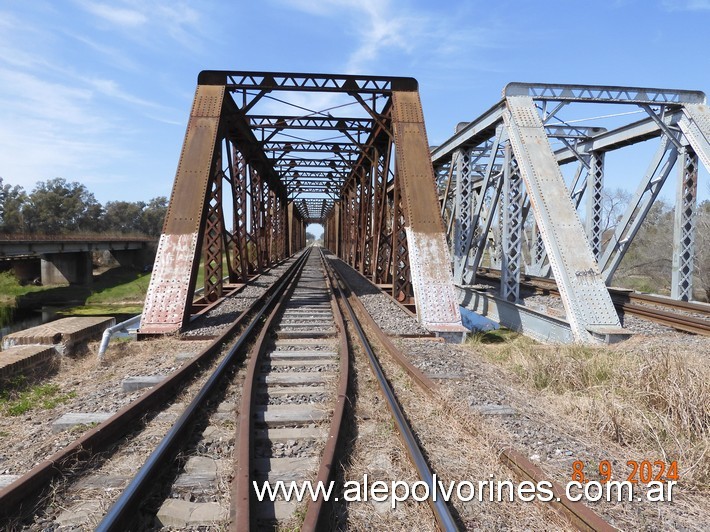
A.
x: 267, y: 153
x: 543, y: 150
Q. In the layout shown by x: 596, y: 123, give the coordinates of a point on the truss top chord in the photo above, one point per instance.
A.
x: 600, y: 93
x: 235, y: 80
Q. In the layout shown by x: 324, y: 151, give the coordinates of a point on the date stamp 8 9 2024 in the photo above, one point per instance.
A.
x: 644, y: 472
x: 658, y: 476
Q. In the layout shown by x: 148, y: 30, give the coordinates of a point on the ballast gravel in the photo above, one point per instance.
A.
x: 388, y: 314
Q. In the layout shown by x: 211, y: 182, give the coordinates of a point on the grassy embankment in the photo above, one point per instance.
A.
x: 118, y: 291
x: 654, y: 399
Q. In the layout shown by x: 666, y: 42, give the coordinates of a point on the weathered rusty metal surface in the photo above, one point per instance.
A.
x: 281, y: 181
x: 167, y: 303
x: 429, y: 259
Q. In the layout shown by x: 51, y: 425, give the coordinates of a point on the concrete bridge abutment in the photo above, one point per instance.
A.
x: 67, y: 268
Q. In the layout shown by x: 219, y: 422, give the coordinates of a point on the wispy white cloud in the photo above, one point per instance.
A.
x: 686, y: 5
x: 149, y: 21
x: 391, y: 26
x: 60, y: 117
x: 50, y: 129
x: 115, y: 56
x: 111, y: 88
x: 120, y: 16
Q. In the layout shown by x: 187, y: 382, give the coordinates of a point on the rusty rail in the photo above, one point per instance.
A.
x: 121, y: 515
x: 635, y: 304
x: 580, y: 516
x: 24, y: 494
x: 442, y: 514
x: 241, y: 514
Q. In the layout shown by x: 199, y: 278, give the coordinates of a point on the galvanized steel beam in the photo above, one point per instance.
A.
x: 582, y: 290
x: 684, y: 226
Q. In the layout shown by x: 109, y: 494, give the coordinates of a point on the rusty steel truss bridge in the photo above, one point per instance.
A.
x: 518, y: 188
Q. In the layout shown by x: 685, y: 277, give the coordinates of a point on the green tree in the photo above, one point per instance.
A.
x: 123, y: 216
x: 650, y: 254
x: 154, y: 215
x: 56, y: 207
x: 12, y: 198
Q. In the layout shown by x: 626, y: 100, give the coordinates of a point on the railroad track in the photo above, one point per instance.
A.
x: 25, y: 497
x: 684, y: 316
x: 291, y: 405
x: 575, y: 513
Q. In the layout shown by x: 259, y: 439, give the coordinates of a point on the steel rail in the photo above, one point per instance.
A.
x: 313, y: 519
x: 635, y: 304
x: 580, y: 516
x: 242, y: 494
x: 124, y: 511
x: 241, y: 500
x: 441, y: 511
x: 26, y: 491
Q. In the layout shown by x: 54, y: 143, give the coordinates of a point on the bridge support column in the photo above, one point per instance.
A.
x: 512, y: 230
x: 595, y: 188
x: 684, y: 226
x: 131, y: 258
x: 63, y: 268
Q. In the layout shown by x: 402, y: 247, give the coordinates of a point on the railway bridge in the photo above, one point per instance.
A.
x: 265, y: 154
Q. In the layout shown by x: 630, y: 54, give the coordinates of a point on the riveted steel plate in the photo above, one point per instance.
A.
x: 582, y: 289
x: 429, y: 259
x: 169, y: 295
x: 697, y: 130
x: 169, y: 284
x: 431, y: 280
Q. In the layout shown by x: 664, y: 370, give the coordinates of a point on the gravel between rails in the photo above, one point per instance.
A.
x: 388, y: 314
x: 215, y: 321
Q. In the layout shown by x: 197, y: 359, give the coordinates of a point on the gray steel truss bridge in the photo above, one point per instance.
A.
x: 521, y: 190
x: 265, y: 154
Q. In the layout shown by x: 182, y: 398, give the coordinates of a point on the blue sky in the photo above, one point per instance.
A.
x: 100, y: 92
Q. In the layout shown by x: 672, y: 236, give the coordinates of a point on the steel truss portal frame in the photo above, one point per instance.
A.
x: 357, y: 162
x: 529, y: 134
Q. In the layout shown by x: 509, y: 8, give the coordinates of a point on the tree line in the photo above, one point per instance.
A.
x: 647, y: 265
x: 56, y: 206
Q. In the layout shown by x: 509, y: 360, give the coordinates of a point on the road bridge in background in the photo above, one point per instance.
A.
x: 67, y: 258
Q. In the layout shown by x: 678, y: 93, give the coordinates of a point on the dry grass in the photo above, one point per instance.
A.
x: 642, y: 397
x: 375, y: 450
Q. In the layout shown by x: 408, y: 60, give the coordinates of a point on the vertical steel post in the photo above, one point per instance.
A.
x: 595, y: 187
x: 172, y: 284
x: 512, y: 229
x: 463, y: 219
x: 428, y: 262
x: 213, y: 239
x: 684, y: 225
x: 290, y: 224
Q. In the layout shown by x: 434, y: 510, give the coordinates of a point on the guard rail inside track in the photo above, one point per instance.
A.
x: 301, y: 350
